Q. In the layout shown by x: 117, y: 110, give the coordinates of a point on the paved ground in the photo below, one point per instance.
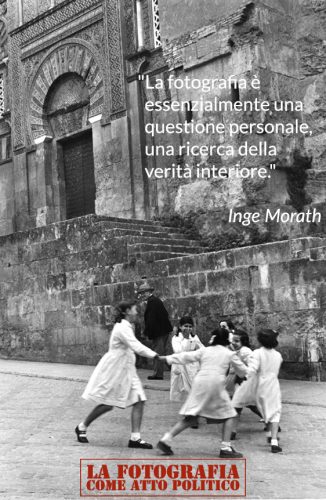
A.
x: 40, y: 406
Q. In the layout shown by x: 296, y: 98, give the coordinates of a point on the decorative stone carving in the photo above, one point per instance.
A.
x: 90, y: 20
x: 15, y: 81
x: 129, y: 20
x: 69, y: 10
x: 72, y: 56
x: 114, y: 50
x: 55, y: 23
x: 3, y: 8
x: 40, y: 34
x: 3, y: 39
x: 95, y: 36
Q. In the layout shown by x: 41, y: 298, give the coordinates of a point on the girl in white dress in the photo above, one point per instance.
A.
x: 262, y: 385
x: 241, y: 346
x: 114, y: 381
x: 208, y: 397
x: 183, y: 375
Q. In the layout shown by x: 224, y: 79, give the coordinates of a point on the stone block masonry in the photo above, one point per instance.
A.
x: 59, y: 285
x: 56, y: 283
x: 278, y: 285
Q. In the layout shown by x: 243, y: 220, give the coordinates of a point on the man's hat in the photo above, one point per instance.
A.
x: 145, y: 287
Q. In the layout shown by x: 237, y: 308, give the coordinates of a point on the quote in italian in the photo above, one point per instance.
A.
x: 215, y: 128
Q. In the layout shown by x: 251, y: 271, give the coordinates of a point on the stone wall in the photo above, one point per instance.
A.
x: 279, y: 41
x: 278, y: 285
x: 190, y: 15
x: 7, y: 204
x: 48, y: 47
x: 48, y: 311
x: 311, y: 34
x: 242, y: 39
x: 59, y: 285
x: 55, y: 299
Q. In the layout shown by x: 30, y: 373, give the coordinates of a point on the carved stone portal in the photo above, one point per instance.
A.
x: 73, y: 57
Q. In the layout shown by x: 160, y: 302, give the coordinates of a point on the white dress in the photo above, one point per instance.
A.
x: 114, y: 381
x: 208, y: 396
x: 244, y: 353
x: 262, y: 387
x: 183, y: 375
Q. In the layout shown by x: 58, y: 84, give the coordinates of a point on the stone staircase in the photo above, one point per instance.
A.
x: 59, y: 285
x: 98, y: 242
x: 148, y: 241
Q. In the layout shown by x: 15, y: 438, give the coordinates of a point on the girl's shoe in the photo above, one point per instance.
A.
x: 276, y: 449
x: 140, y: 443
x: 167, y: 450
x: 230, y: 453
x: 81, y: 435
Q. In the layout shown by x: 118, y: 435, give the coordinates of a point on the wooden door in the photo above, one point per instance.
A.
x: 79, y: 176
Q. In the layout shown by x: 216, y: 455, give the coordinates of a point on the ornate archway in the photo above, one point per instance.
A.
x: 67, y: 105
x: 74, y: 57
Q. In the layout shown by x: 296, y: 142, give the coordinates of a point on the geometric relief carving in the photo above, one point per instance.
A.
x: 69, y: 57
x: 3, y: 55
x: 129, y: 19
x: 32, y: 33
x: 69, y: 10
x: 156, y: 24
x: 114, y: 47
x: 3, y: 39
x: 2, y: 97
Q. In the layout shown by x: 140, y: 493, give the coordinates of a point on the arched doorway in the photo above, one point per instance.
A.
x: 66, y: 110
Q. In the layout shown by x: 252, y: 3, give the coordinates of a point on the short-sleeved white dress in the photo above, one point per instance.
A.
x: 262, y: 387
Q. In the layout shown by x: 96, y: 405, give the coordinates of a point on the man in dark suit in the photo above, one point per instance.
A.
x: 157, y: 326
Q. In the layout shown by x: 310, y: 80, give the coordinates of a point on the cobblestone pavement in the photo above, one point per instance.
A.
x: 40, y: 455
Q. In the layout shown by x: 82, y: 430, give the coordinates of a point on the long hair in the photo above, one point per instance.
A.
x: 220, y: 336
x: 121, y: 310
x: 244, y: 337
x: 267, y: 338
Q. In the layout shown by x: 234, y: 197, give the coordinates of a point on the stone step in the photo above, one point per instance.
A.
x: 100, y: 218
x: 101, y: 266
x: 242, y: 280
x: 146, y: 240
x: 258, y: 255
x: 128, y: 225
x: 103, y: 238
x: 98, y: 240
x: 149, y: 233
x: 153, y: 256
x: 72, y: 227
x: 292, y: 287
x: 139, y: 248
